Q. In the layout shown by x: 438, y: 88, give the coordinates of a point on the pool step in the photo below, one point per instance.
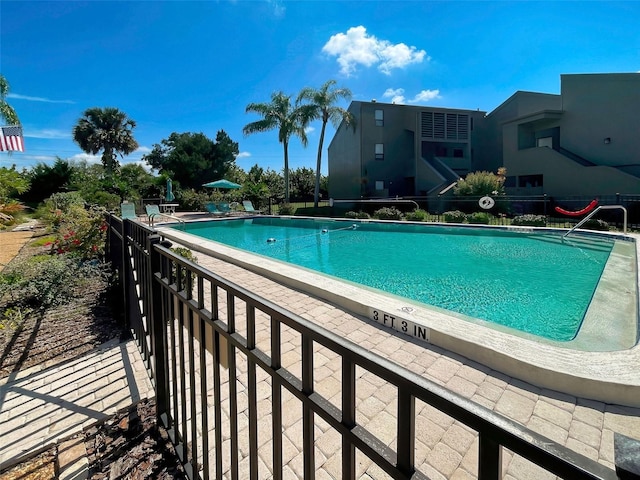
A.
x: 586, y: 242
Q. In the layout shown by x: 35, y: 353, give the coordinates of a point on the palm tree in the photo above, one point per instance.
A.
x: 7, y: 113
x: 323, y: 103
x: 288, y: 119
x: 106, y: 129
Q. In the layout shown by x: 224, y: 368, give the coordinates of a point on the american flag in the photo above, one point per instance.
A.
x: 11, y: 139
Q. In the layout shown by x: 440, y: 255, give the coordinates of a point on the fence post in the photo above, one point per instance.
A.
x: 125, y: 272
x: 158, y: 329
x: 627, y: 457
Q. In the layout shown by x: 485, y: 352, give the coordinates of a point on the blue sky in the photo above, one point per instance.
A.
x: 177, y: 66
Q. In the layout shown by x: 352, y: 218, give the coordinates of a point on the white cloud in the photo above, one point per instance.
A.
x: 356, y: 47
x: 243, y: 155
x: 85, y: 157
x: 396, y: 96
x: 309, y: 130
x: 278, y: 7
x: 425, y: 95
x: 37, y: 99
x: 48, y: 133
x: 141, y: 149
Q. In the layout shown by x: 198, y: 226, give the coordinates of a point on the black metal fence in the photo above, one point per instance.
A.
x: 220, y: 358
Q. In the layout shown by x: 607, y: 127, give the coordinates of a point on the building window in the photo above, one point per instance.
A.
x: 379, y: 185
x: 379, y: 118
x: 379, y: 151
x: 441, y: 151
x: 458, y: 153
x: 529, y: 181
x: 545, y: 142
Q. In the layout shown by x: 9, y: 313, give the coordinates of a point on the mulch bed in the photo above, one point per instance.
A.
x: 130, y: 445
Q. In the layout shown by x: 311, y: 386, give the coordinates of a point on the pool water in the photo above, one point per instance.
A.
x: 532, y: 282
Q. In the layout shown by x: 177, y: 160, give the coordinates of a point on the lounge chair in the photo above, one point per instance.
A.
x: 128, y: 210
x: 248, y: 206
x: 213, y: 209
x: 225, y: 208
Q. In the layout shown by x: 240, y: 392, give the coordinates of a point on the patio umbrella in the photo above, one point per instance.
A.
x: 169, y: 197
x: 222, y: 184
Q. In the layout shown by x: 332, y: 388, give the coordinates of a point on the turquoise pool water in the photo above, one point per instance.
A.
x: 528, y: 281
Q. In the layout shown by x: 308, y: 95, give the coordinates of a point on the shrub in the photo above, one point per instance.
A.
x: 188, y: 254
x: 286, y: 209
x: 44, y: 281
x: 596, y: 224
x: 388, y: 213
x: 360, y: 214
x: 530, y: 220
x: 191, y: 200
x: 454, y: 216
x: 480, y: 218
x: 80, y: 232
x: 418, y: 215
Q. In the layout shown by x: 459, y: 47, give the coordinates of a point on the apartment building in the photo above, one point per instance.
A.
x: 584, y: 141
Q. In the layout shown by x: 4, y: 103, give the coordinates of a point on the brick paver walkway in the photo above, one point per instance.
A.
x: 37, y: 409
x: 445, y: 449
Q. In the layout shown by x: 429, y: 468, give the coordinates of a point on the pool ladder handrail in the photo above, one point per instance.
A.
x: 601, y: 207
x: 180, y: 221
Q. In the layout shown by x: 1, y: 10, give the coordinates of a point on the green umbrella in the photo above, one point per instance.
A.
x: 169, y: 197
x: 222, y: 184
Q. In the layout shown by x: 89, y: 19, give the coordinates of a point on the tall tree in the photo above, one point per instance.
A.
x: 192, y: 159
x: 106, y: 129
x: 7, y: 113
x: 288, y: 119
x: 323, y: 101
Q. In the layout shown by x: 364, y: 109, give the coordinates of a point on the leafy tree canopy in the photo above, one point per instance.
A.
x: 7, y: 113
x: 303, y: 183
x: 47, y: 180
x: 12, y: 183
x: 107, y: 129
x: 192, y: 159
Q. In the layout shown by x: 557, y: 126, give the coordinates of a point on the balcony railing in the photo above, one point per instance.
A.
x: 228, y: 380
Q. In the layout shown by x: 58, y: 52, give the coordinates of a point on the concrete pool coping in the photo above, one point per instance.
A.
x: 608, y: 376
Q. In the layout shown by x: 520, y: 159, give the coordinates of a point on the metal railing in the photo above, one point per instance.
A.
x: 214, y: 349
x: 592, y: 214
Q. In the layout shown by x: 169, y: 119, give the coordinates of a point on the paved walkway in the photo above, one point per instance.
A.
x: 40, y: 407
x: 445, y: 449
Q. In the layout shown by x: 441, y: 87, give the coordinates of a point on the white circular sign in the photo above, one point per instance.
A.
x: 486, y: 202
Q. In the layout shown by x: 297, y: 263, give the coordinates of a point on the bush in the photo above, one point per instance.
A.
x: 191, y: 200
x: 454, y: 216
x: 44, y: 281
x: 286, y: 209
x: 360, y: 214
x: 388, y: 213
x: 480, y: 218
x: 418, y: 215
x: 188, y: 254
x: 596, y: 224
x: 80, y: 232
x: 530, y: 220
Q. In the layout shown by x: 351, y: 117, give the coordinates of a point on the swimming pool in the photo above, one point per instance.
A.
x: 525, y: 280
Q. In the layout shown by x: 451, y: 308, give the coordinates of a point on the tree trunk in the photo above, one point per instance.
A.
x: 316, y: 193
x: 286, y: 171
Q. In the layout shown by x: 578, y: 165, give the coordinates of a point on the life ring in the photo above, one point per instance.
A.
x: 577, y: 213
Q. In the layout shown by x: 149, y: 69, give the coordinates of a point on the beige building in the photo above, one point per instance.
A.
x: 584, y: 141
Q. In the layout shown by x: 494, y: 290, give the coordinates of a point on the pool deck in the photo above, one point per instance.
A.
x: 449, y: 448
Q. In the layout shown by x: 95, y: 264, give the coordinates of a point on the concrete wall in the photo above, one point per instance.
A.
x: 564, y: 177
x: 344, y: 160
x: 600, y: 106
